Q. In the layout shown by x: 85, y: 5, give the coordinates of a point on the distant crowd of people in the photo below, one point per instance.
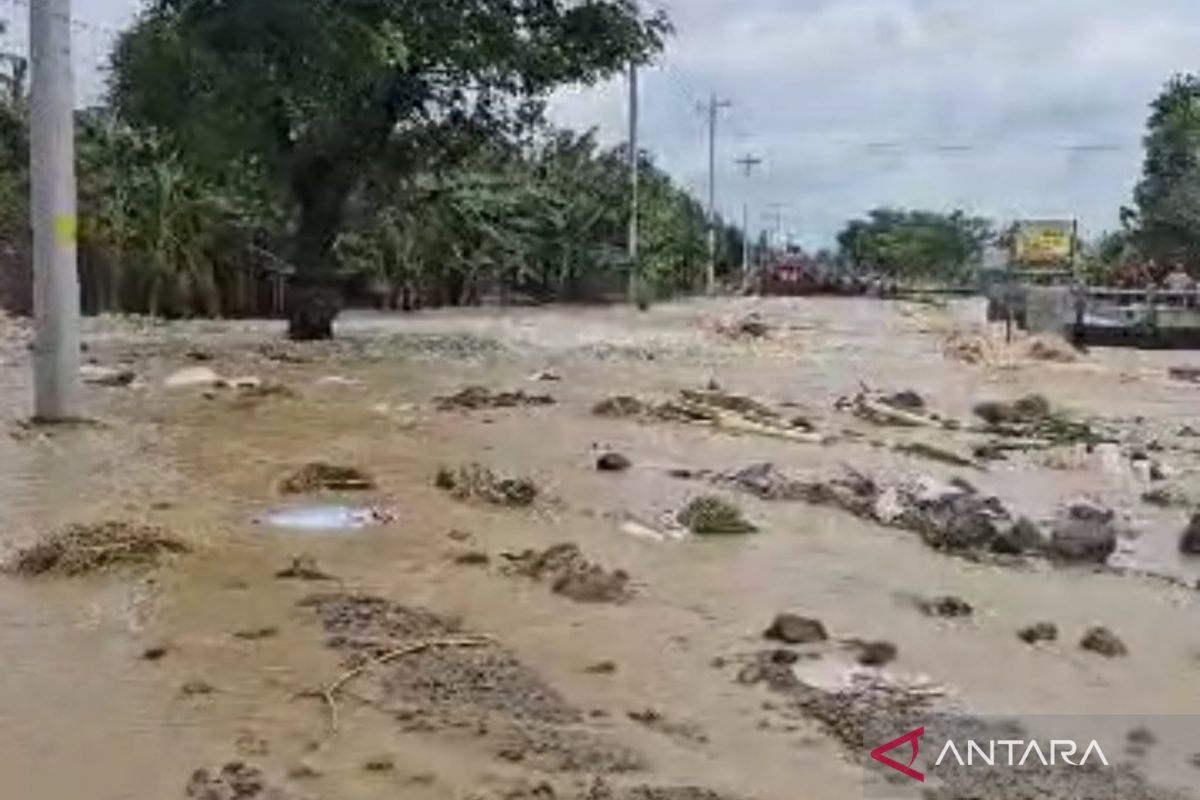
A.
x: 1150, y: 274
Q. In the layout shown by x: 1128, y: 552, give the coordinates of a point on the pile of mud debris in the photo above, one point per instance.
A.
x: 572, y: 575
x: 871, y: 708
x: 476, y: 398
x: 712, y: 407
x: 429, y: 675
x: 477, y: 482
x: 952, y: 517
x: 87, y: 548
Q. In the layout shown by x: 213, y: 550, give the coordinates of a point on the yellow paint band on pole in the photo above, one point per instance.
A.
x: 66, y: 230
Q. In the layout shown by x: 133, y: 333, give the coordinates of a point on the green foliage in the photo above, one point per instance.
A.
x: 1168, y: 196
x: 916, y: 245
x: 315, y: 93
x: 549, y: 222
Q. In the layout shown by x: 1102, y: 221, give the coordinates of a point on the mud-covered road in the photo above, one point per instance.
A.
x: 426, y: 654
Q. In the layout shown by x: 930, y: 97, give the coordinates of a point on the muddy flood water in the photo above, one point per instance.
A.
x: 370, y: 589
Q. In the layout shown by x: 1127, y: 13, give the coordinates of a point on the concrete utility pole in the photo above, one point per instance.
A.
x: 748, y: 163
x: 55, y: 226
x: 634, y: 180
x: 713, y: 110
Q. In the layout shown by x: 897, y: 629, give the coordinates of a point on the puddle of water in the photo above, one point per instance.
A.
x: 324, y: 519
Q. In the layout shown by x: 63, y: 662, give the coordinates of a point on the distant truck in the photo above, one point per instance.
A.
x: 798, y: 275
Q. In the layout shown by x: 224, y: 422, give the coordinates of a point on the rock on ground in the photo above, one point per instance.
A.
x: 1104, y: 642
x: 1189, y: 543
x: 1039, y: 632
x: 796, y: 629
x: 613, y: 462
x: 1085, y: 534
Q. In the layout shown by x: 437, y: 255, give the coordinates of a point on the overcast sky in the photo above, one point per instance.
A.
x: 1007, y: 107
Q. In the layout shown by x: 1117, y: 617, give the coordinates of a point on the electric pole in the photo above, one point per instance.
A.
x: 55, y: 225
x: 713, y: 109
x: 747, y: 163
x: 634, y: 181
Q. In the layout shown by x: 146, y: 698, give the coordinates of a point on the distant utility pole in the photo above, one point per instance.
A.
x: 634, y: 180
x: 747, y: 163
x: 776, y: 218
x: 713, y: 109
x: 52, y: 160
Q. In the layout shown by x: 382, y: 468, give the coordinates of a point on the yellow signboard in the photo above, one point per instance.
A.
x: 1044, y: 244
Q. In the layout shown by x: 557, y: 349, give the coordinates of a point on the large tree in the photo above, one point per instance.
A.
x: 313, y: 94
x: 1167, y: 222
x: 915, y: 245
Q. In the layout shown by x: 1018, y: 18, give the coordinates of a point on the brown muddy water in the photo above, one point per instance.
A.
x: 86, y: 715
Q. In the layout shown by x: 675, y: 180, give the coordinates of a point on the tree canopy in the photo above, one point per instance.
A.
x: 313, y: 95
x: 1167, y: 199
x: 915, y: 245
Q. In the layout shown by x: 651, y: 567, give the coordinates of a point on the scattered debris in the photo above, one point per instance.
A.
x: 475, y: 481
x: 656, y: 721
x: 155, y: 653
x: 1166, y: 497
x: 195, y: 688
x: 1189, y: 543
x: 1086, y: 533
x: 613, y: 462
x: 713, y: 408
x: 427, y: 674
x: 935, y: 453
x: 234, y: 781
x: 765, y: 482
x: 112, y: 377
x: 321, y: 476
x: 796, y: 629
x: 1051, y: 348
x: 546, y: 376
x: 750, y: 326
x: 956, y: 517
x: 379, y: 764
x: 303, y: 568
x: 475, y: 398
x: 257, y: 634
x: 1039, y: 632
x: 1142, y: 736
x: 1032, y: 418
x: 572, y: 575
x: 473, y: 558
x: 190, y: 377
x: 947, y: 606
x: 1185, y: 374
x: 621, y: 406
x: 710, y: 515
x: 601, y: 668
x: 81, y: 549
x: 875, y: 653
x: 1104, y: 642
x: 900, y: 410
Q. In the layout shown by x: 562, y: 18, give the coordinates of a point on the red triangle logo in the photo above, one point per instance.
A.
x: 912, y: 738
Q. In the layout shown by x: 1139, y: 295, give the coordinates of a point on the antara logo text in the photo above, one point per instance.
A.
x: 990, y: 753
